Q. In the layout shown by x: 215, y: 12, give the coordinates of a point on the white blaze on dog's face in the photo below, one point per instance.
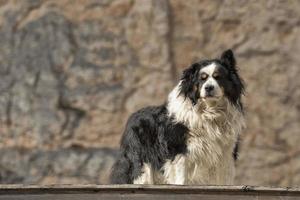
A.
x: 209, y: 86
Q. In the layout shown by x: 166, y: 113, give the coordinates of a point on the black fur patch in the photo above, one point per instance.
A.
x: 150, y: 137
x: 236, y: 149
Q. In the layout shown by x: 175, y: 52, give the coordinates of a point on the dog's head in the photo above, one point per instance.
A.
x: 213, y: 80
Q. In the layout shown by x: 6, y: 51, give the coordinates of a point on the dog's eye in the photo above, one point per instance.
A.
x: 203, y: 76
x: 216, y: 76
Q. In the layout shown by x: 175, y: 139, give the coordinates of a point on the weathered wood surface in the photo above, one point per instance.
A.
x: 161, y: 192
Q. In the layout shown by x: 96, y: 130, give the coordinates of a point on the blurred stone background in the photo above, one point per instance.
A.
x: 71, y: 72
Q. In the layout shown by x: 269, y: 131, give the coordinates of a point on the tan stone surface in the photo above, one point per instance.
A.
x: 71, y: 72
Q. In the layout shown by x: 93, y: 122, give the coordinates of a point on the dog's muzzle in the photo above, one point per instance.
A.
x: 209, y: 91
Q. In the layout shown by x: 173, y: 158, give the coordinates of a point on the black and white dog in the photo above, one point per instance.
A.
x: 193, y: 138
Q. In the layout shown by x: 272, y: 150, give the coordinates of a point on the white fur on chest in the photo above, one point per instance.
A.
x: 209, y: 161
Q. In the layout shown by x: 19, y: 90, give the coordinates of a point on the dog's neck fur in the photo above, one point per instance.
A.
x: 217, y: 119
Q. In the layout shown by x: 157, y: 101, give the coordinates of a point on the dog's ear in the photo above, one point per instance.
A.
x: 228, y: 59
x: 189, y: 83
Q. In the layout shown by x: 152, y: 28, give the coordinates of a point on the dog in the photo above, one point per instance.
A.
x: 193, y: 138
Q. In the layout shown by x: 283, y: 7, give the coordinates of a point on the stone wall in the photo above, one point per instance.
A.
x: 71, y: 72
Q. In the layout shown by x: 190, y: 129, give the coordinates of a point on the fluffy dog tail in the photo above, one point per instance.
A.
x: 120, y: 173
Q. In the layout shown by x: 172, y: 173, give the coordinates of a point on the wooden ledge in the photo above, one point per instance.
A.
x: 93, y: 192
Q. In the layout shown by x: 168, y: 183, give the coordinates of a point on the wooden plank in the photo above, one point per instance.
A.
x: 157, y: 192
x: 139, y: 196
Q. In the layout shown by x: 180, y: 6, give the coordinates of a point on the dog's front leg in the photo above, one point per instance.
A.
x: 146, y: 176
x: 180, y: 167
x: 225, y: 171
x: 175, y: 171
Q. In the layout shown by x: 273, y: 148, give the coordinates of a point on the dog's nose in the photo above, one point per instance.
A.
x: 209, y: 88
